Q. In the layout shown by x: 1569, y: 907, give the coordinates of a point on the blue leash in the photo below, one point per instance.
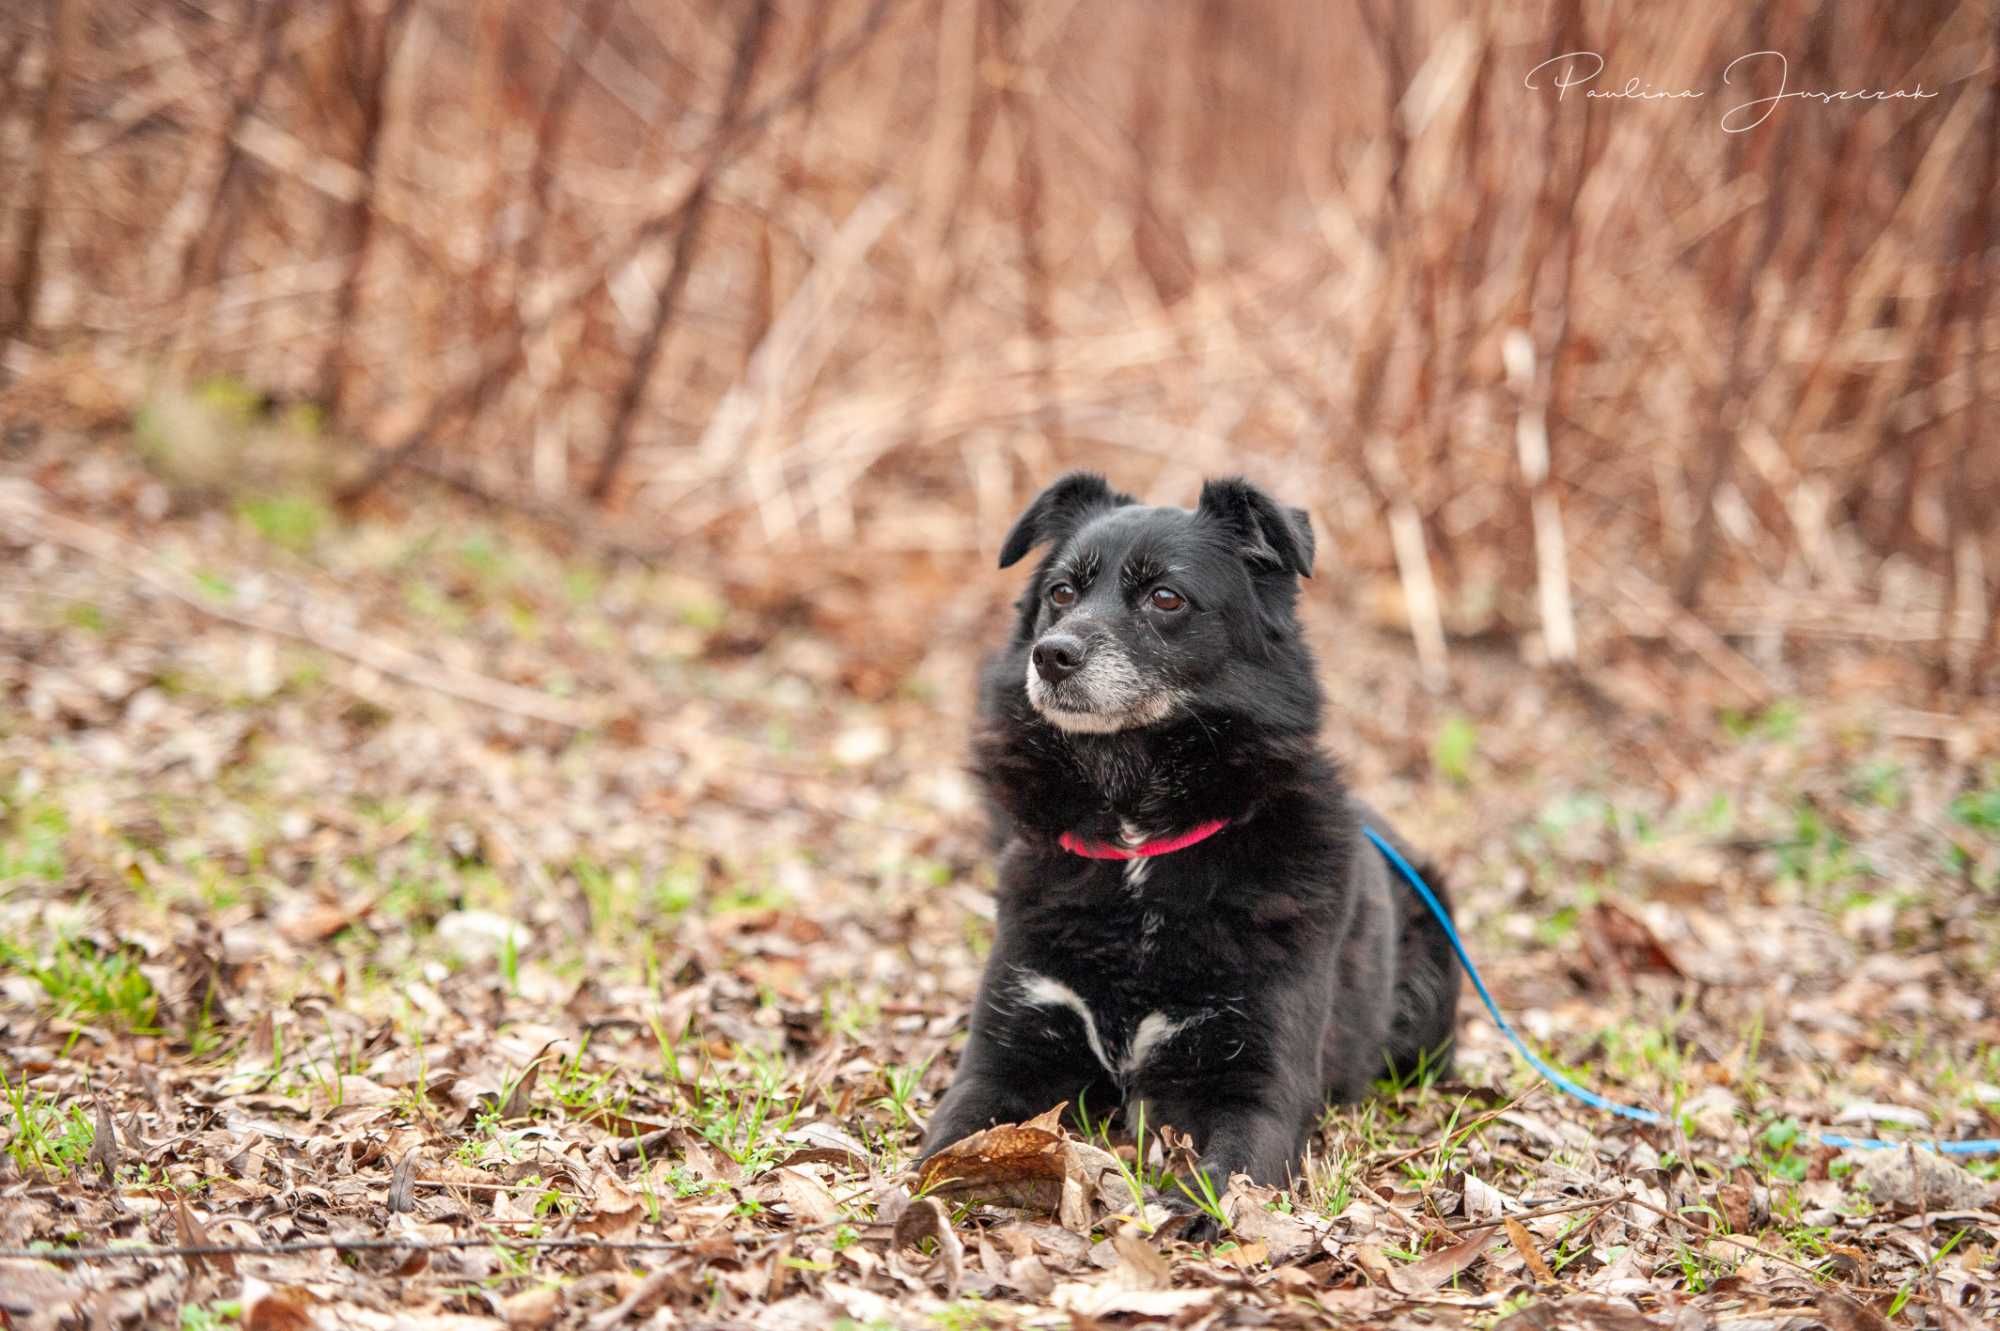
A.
x: 1980, y: 1146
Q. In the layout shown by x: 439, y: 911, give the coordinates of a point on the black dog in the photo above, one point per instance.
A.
x: 1189, y: 916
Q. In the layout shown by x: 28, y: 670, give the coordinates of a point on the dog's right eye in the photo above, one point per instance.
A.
x: 1062, y: 594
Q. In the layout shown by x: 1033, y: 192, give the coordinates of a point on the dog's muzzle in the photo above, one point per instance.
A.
x: 1090, y: 685
x: 1058, y: 656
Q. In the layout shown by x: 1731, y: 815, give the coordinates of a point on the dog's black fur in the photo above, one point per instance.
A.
x: 1235, y: 986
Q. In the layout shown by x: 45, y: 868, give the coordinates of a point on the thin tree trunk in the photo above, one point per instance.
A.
x: 1970, y: 300
x: 1028, y: 210
x: 1727, y: 411
x: 214, y: 233
x: 378, y: 46
x: 65, y: 22
x: 618, y: 440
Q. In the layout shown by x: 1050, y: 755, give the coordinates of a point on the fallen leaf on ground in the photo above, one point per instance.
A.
x: 1140, y: 1265
x: 1036, y: 1166
x: 1524, y: 1243
x: 1841, y: 1313
x: 925, y: 1219
x: 1081, y: 1299
x: 1908, y: 1180
x: 1427, y: 1273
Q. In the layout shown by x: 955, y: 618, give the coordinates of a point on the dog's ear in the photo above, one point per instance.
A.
x: 1266, y: 533
x: 1056, y: 511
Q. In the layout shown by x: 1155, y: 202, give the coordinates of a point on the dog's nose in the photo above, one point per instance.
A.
x: 1057, y: 657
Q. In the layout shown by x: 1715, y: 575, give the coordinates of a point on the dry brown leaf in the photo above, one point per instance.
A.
x: 616, y: 1211
x: 532, y: 1309
x: 1069, y: 1249
x: 1841, y: 1313
x: 991, y: 1260
x: 1524, y: 1243
x: 1035, y: 1166
x: 519, y: 1103
x: 1013, y: 1164
x: 1082, y: 1299
x: 276, y: 1307
x: 104, y: 1146
x: 1140, y: 1265
x: 1429, y: 1272
x: 192, y: 1234
x: 403, y: 1184
x: 645, y: 1296
x: 1622, y: 943
x: 809, y: 1199
x: 36, y: 1288
x: 925, y: 1219
x: 1909, y: 1180
x: 1372, y: 1262
x: 1244, y: 1256
x: 1579, y: 1314
x: 1029, y: 1276
x: 1254, y: 1218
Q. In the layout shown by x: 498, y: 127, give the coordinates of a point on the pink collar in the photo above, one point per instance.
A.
x: 1098, y: 850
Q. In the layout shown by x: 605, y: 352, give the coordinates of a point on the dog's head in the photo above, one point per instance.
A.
x: 1139, y: 613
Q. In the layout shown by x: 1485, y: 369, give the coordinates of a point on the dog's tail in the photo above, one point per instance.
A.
x: 1427, y: 983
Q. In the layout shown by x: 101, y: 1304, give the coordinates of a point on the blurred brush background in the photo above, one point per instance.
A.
x: 728, y: 279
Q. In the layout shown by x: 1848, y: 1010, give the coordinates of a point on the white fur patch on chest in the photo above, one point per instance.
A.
x: 1137, y: 868
x: 1122, y: 1056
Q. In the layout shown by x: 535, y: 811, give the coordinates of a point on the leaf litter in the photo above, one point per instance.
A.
x: 398, y: 1005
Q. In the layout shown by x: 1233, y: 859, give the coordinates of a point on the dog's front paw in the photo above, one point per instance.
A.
x: 1189, y: 1220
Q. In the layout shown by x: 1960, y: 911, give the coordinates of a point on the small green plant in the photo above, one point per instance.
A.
x: 966, y: 1314
x: 1428, y: 1173
x: 1204, y: 1197
x: 747, y: 1125
x: 901, y: 1082
x: 210, y: 1316
x: 1909, y: 1286
x: 510, y: 961
x: 1880, y: 782
x: 291, y: 522
x: 1453, y: 750
x: 44, y: 1138
x: 1419, y: 1075
x: 32, y: 846
x: 1330, y: 1184
x: 1779, y: 722
x: 84, y: 615
x: 1817, y: 857
x: 1980, y: 809
x: 1778, y: 1144
x: 87, y: 983
x: 1134, y: 1174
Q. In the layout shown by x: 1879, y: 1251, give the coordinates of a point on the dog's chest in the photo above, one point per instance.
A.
x: 1122, y: 1028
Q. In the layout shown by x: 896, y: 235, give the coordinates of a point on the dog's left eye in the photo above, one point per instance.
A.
x: 1166, y: 598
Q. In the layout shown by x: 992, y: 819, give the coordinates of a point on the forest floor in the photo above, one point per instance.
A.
x: 602, y: 935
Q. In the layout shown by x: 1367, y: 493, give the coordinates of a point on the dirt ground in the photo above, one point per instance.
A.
x: 600, y: 936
